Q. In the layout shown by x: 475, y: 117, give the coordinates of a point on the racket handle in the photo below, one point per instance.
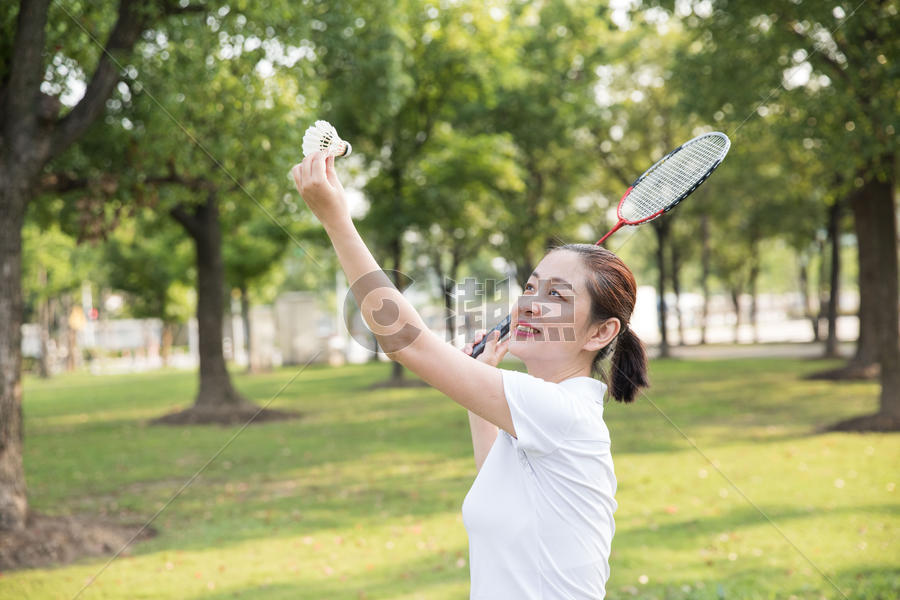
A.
x: 503, y: 328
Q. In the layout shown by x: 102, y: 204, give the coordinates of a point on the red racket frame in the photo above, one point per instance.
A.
x: 674, y: 203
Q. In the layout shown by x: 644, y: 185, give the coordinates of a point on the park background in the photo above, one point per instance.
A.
x: 163, y: 285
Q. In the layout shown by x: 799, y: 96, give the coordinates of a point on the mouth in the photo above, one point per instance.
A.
x: 525, y: 331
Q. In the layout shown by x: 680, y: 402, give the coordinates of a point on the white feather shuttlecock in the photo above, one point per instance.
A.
x: 323, y: 137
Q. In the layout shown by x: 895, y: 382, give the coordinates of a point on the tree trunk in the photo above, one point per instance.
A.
x: 662, y: 230
x: 834, y: 233
x: 71, y: 349
x: 866, y: 354
x: 397, y: 369
x: 736, y: 301
x: 13, y: 504
x: 245, y: 322
x: 869, y: 274
x: 216, y: 389
x: 374, y: 341
x: 44, y: 326
x: 821, y: 291
x: 32, y: 135
x: 876, y: 229
x: 449, y: 313
x: 449, y: 285
x: 70, y: 333
x: 753, y: 276
x: 165, y: 343
x: 216, y: 393
x: 804, y: 292
x: 676, y: 288
x: 876, y: 226
x: 704, y: 275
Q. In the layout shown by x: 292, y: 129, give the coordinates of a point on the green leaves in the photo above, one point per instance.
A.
x: 815, y: 71
x: 151, y: 260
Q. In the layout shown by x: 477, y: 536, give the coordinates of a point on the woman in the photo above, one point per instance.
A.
x: 540, y: 513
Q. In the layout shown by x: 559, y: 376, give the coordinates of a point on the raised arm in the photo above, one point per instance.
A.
x: 484, y: 433
x: 400, y: 330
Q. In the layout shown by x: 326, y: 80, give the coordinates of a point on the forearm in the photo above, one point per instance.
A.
x: 372, y: 289
x: 400, y: 330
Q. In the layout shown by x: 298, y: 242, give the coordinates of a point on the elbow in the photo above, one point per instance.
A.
x: 398, y: 345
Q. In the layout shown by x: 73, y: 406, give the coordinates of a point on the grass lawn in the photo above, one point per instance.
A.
x: 361, y: 498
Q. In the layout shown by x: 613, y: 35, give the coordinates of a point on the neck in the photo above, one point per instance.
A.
x: 556, y: 373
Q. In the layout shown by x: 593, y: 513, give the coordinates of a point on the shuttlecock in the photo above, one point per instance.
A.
x: 322, y: 137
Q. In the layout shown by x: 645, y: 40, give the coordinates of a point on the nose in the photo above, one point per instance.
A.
x: 529, y: 306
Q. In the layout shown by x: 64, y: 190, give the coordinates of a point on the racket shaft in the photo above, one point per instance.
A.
x: 503, y: 328
x: 611, y: 231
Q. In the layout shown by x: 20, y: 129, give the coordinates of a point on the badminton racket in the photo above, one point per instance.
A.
x: 658, y: 190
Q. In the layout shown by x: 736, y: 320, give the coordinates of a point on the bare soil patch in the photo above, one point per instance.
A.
x: 398, y: 383
x: 48, y: 540
x: 231, y: 415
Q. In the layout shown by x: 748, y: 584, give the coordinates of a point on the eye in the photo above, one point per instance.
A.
x: 529, y: 287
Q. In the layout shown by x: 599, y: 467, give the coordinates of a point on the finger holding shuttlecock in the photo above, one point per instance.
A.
x: 323, y: 137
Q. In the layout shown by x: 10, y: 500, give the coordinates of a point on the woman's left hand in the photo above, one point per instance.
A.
x: 321, y: 189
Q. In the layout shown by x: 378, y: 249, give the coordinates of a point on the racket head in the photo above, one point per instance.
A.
x: 672, y: 178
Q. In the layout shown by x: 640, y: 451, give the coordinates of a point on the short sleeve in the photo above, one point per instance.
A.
x: 542, y: 412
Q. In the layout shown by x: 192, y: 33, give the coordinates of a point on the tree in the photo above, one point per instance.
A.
x: 545, y: 101
x: 636, y: 92
x: 825, y: 74
x: 466, y: 180
x: 53, y: 268
x: 148, y: 259
x: 390, y: 84
x: 835, y: 212
x: 252, y: 250
x: 34, y: 131
x: 222, y: 156
x: 770, y: 192
x: 239, y: 117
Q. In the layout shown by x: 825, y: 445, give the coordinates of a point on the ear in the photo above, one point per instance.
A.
x: 602, y: 334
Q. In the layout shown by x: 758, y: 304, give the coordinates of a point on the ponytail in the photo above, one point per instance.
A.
x: 629, y: 367
x: 613, y: 292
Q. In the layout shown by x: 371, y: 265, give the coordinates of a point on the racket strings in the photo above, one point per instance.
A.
x: 674, y: 178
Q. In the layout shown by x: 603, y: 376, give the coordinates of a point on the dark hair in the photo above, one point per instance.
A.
x: 613, y: 292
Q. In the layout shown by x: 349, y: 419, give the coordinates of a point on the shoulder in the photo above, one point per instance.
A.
x: 547, y: 413
x: 587, y: 388
x: 588, y: 394
x: 584, y: 390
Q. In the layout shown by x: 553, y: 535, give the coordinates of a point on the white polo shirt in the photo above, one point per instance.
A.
x: 540, y: 513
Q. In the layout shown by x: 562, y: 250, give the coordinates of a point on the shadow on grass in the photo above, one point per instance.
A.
x: 685, y: 532
x: 308, y: 509
x: 424, y: 577
x: 438, y: 575
x: 879, y: 583
x: 429, y: 577
x: 764, y: 400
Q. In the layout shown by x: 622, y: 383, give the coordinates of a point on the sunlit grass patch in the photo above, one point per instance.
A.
x: 361, y: 497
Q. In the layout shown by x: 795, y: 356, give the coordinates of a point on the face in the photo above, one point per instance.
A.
x: 551, y: 326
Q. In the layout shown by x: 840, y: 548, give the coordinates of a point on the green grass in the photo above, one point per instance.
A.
x: 361, y: 498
